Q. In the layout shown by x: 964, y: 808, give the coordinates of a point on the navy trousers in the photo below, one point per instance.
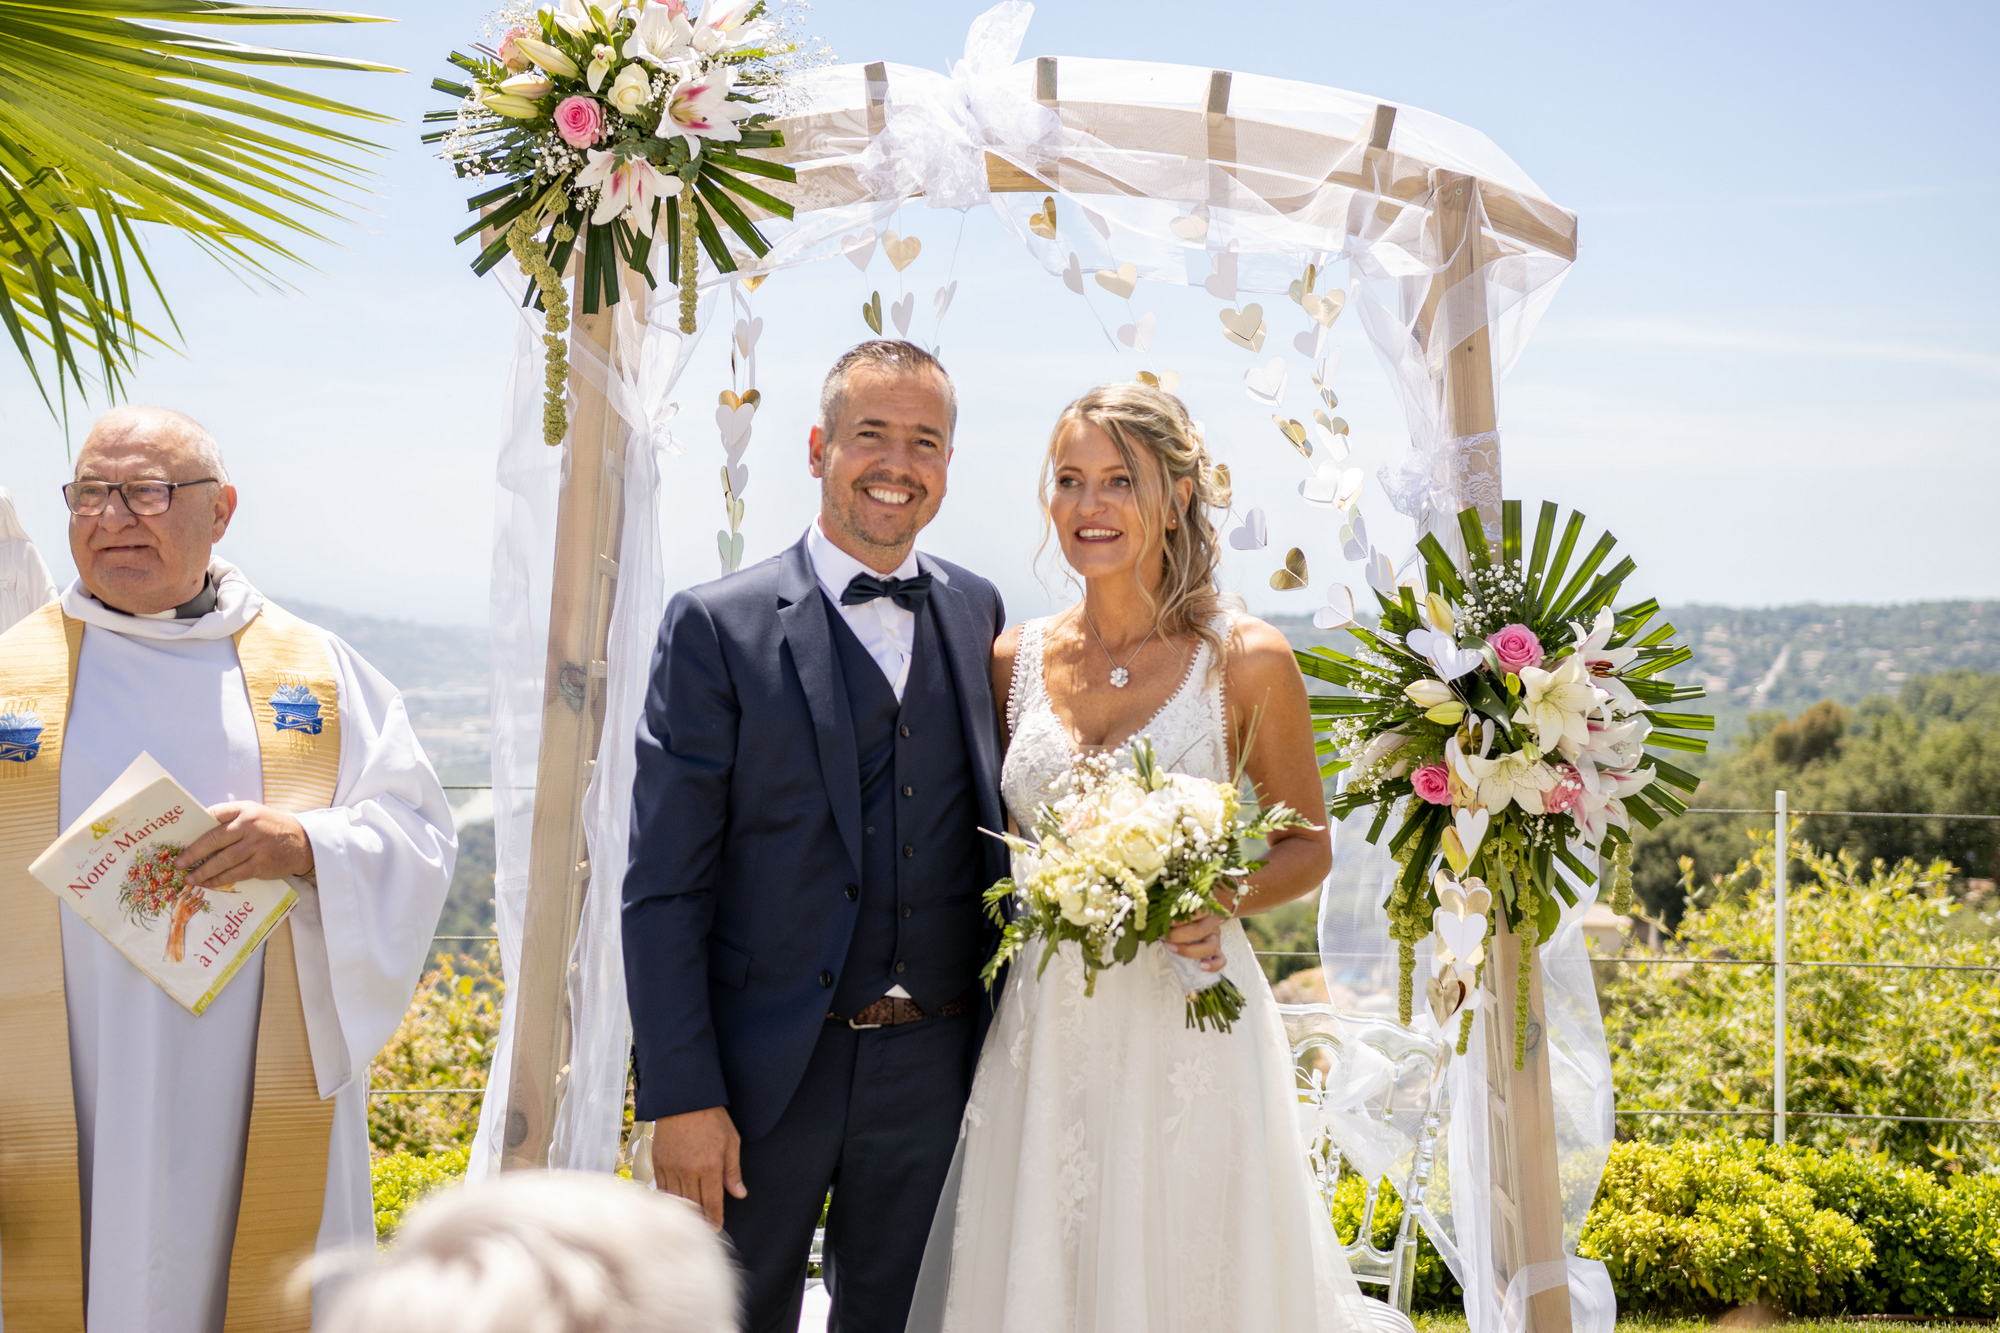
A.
x: 875, y: 1119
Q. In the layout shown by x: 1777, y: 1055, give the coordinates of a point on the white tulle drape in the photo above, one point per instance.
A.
x: 1126, y: 148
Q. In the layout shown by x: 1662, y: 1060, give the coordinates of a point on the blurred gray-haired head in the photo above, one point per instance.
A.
x: 543, y: 1252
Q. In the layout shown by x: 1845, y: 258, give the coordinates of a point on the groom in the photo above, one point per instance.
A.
x: 802, y: 923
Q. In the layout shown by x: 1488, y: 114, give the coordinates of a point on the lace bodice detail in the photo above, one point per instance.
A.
x: 1189, y: 732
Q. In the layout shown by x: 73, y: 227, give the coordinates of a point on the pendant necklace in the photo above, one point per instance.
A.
x: 1119, y: 674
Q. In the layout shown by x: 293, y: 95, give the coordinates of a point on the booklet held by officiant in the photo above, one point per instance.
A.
x: 115, y: 867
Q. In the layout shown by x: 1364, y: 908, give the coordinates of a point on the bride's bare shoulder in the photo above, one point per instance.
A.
x: 1259, y: 653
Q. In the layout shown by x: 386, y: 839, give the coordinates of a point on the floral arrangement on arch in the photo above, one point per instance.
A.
x: 616, y: 126
x: 1504, y: 728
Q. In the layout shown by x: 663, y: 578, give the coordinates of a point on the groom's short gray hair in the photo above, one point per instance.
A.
x: 890, y: 356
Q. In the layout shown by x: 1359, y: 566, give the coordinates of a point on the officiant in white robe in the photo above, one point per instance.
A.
x: 170, y: 651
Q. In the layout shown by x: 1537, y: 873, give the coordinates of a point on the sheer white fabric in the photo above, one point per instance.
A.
x: 24, y: 579
x: 1118, y: 1170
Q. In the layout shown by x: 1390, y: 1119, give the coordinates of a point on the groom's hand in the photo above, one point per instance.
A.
x: 1199, y: 938
x: 698, y: 1156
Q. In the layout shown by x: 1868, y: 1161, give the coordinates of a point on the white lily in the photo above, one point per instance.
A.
x: 699, y: 108
x: 576, y: 18
x: 1428, y: 693
x: 1604, y: 663
x: 1380, y: 747
x: 1618, y: 746
x: 725, y: 27
x: 627, y: 188
x: 1517, y: 778
x: 1600, y: 806
x: 601, y: 57
x: 548, y: 57
x: 1558, y: 705
x: 662, y: 35
x: 532, y: 86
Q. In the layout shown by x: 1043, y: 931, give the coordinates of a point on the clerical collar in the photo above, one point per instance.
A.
x: 194, y: 608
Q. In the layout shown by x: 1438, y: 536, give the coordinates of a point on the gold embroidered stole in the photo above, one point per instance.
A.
x: 288, y: 673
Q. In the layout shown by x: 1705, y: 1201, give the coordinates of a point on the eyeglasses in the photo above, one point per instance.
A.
x: 87, y: 499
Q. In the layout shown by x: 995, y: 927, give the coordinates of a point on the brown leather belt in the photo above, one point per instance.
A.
x: 895, y: 1010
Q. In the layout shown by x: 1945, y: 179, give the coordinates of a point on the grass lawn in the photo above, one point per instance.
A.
x: 1455, y: 1323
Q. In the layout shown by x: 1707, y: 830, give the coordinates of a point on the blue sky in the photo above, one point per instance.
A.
x: 1774, y: 369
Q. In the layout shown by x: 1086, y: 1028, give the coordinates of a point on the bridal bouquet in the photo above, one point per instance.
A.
x: 1502, y: 724
x: 1119, y: 859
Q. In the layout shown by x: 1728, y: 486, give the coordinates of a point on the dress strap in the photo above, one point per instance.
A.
x: 1027, y: 682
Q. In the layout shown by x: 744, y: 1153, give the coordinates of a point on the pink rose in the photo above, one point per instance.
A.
x: 1562, y: 798
x: 580, y: 121
x: 510, y: 54
x: 1516, y: 646
x: 1433, y: 784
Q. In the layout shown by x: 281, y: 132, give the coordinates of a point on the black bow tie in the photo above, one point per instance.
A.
x: 910, y: 593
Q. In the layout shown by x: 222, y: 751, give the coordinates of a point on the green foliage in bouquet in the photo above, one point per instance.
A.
x: 1119, y: 860
x: 1506, y: 726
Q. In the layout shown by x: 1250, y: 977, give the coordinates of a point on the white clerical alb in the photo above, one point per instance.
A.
x: 163, y: 1097
x: 886, y: 630
x: 24, y: 579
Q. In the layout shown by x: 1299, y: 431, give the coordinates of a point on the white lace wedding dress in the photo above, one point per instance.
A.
x: 1119, y: 1172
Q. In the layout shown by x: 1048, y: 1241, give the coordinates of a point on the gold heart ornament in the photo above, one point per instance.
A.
x: 1119, y: 281
x: 1446, y: 994
x: 1244, y: 327
x: 1293, y: 576
x: 752, y: 281
x: 1331, y: 425
x: 1303, y: 288
x: 902, y: 250
x: 1332, y: 399
x: 732, y: 400
x: 735, y: 506
x: 871, y: 310
x: 1042, y: 222
x: 1294, y: 432
x: 1167, y: 381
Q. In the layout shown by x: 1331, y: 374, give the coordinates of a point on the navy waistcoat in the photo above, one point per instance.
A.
x: 922, y: 863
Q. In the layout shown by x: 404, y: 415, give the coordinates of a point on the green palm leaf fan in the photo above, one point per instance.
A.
x: 113, y: 126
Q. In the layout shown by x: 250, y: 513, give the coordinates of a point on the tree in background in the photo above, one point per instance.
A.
x: 111, y: 127
x: 1876, y: 1041
x: 1934, y: 749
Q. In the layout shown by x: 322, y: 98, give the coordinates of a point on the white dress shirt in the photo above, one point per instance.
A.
x: 886, y: 630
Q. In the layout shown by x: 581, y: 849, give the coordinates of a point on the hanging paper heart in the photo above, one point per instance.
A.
x: 748, y: 398
x: 1191, y: 226
x: 1335, y: 447
x: 734, y: 506
x: 1308, y: 344
x: 736, y: 478
x: 729, y: 545
x: 1381, y: 573
x: 1442, y: 652
x: 1266, y: 383
x: 1252, y: 534
x: 1471, y: 826
x: 1302, y: 287
x: 901, y: 250
x: 1073, y: 275
x: 734, y: 425
x: 1331, y: 485
x: 1461, y: 936
x: 1042, y: 221
x: 752, y: 281
x: 1354, y: 537
x: 1221, y: 284
x: 1325, y: 392
x: 1339, y: 608
x: 1462, y: 898
x: 748, y: 331
x: 1294, y: 433
x: 1139, y: 336
x: 1167, y: 381
x: 941, y: 302
x: 1445, y: 994
x: 1325, y: 309
x: 1119, y: 281
x: 871, y: 311
x: 859, y: 248
x: 1333, y: 425
x: 1244, y: 327
x: 899, y: 313
x: 1293, y: 576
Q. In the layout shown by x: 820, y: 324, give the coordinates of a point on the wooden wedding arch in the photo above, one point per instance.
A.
x: 1467, y: 220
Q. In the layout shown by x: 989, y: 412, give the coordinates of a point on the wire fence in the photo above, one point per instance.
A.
x: 1779, y: 1114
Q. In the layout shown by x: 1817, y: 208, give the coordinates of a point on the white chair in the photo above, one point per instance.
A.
x: 1369, y: 1093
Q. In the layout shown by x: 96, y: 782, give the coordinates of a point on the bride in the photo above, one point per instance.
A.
x: 1118, y: 1170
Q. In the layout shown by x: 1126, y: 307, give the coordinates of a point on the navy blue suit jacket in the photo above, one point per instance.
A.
x: 746, y: 828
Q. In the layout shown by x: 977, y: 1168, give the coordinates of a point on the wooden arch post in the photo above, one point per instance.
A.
x: 590, y: 519
x: 1525, y: 1210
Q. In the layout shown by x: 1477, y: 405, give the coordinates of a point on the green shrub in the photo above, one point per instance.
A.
x: 401, y: 1178
x: 1697, y: 1226
x: 1937, y: 1245
x: 445, y: 1042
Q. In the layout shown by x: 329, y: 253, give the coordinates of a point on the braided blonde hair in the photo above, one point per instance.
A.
x: 1158, y: 443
